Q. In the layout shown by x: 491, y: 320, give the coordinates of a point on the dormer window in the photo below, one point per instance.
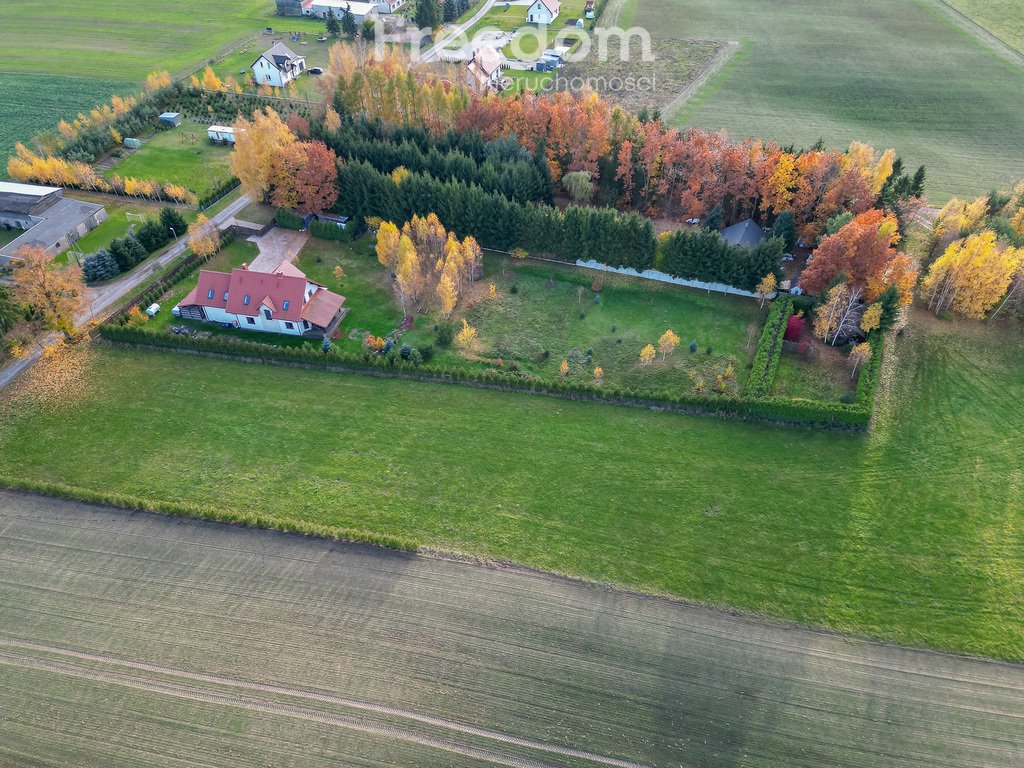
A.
x: 209, y: 294
x: 225, y: 295
x: 267, y: 314
x: 246, y: 300
x: 285, y: 305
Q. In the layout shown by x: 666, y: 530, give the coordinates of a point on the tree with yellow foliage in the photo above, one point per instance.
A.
x: 210, y: 80
x: 598, y: 374
x: 472, y: 258
x: 400, y: 174
x: 563, y: 368
x: 872, y: 318
x: 492, y: 291
x: 767, y: 285
x: 203, y: 237
x: 407, y: 272
x: 55, y: 292
x: 972, y: 275
x: 466, y: 336
x: 258, y: 142
x: 387, y: 245
x: 332, y: 120
x: 339, y: 273
x: 781, y: 184
x: 157, y: 80
x: 859, y: 355
x: 447, y: 294
x: 667, y: 343
x: 647, y: 355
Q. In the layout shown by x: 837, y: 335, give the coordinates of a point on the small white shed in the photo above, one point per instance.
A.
x: 221, y: 134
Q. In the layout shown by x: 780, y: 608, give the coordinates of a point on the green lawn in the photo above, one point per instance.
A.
x: 826, y: 377
x: 522, y: 81
x: 168, y: 157
x: 538, y: 325
x: 117, y: 223
x: 238, y: 63
x: 911, y: 533
x: 894, y: 73
x: 257, y: 213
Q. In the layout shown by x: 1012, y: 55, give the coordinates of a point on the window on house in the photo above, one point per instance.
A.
x: 266, y: 314
x: 209, y: 294
x: 290, y: 326
x: 251, y: 320
x: 246, y: 300
x: 305, y: 324
x: 225, y: 295
x: 285, y: 305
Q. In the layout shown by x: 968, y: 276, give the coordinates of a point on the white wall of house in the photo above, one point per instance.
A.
x: 267, y: 74
x: 259, y: 322
x: 539, y: 14
x: 389, y: 6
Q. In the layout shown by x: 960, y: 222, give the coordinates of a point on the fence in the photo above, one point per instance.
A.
x: 664, y: 277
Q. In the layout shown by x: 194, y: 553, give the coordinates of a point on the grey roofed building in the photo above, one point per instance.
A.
x: 49, y: 219
x: 745, y: 233
x: 281, y: 56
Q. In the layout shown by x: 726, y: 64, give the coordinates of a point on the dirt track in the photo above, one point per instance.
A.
x: 132, y: 639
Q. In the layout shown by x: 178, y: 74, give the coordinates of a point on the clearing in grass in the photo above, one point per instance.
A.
x: 908, y: 533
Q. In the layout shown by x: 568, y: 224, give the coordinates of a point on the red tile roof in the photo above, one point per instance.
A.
x: 322, y: 307
x: 286, y: 286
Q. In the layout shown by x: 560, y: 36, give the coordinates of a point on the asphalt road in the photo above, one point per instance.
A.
x: 133, y: 639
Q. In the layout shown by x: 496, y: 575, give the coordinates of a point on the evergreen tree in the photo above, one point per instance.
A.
x: 10, y: 312
x: 119, y: 250
x: 136, y: 249
x: 713, y: 221
x: 99, y: 266
x: 333, y: 27
x: 427, y: 14
x: 172, y: 219
x: 369, y: 30
x: 785, y: 227
x: 348, y: 22
x: 451, y: 10
x: 917, y: 186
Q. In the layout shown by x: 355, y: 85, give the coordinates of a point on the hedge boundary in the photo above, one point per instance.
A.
x: 246, y: 519
x: 769, y: 349
x: 848, y: 416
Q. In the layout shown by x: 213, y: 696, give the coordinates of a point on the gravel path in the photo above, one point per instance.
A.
x: 135, y: 639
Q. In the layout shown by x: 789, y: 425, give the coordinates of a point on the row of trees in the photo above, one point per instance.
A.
x: 513, y: 172
x: 123, y: 253
x: 28, y: 166
x: 577, y: 232
x: 703, y: 255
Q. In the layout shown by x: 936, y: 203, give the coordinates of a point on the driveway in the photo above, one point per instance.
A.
x: 277, y: 245
x: 454, y: 30
x: 232, y: 646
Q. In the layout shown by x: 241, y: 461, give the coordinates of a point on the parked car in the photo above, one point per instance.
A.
x: 315, y: 70
x: 693, y: 221
x: 787, y: 257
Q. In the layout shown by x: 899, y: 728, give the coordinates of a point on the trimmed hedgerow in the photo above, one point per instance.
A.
x: 769, y: 349
x: 288, y: 219
x: 772, y: 409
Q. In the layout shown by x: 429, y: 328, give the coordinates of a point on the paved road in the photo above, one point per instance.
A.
x: 103, y: 297
x: 453, y: 30
x: 133, y: 639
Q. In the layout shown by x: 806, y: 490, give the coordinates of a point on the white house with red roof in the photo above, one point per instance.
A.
x: 281, y: 301
x: 543, y: 11
x: 278, y: 66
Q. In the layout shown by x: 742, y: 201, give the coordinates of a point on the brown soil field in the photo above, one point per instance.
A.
x: 138, y: 640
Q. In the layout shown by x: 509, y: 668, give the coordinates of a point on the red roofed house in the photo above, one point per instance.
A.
x: 282, y: 301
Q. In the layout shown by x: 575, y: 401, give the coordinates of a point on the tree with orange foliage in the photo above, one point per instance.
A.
x: 862, y: 251
x: 304, y: 177
x: 55, y: 292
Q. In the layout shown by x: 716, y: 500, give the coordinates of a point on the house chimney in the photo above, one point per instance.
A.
x: 245, y: 266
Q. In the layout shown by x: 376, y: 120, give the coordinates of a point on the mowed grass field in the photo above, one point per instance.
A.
x: 170, y: 156
x: 894, y: 73
x: 911, y: 533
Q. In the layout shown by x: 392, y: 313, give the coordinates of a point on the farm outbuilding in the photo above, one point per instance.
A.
x: 172, y: 119
x: 221, y: 134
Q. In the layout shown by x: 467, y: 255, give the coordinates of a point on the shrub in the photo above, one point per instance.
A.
x: 693, y: 345
x: 445, y: 335
x: 287, y: 219
x: 514, y: 289
x: 769, y: 349
x: 795, y: 328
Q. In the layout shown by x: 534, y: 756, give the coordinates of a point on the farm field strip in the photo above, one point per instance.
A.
x: 110, y: 614
x: 312, y: 696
